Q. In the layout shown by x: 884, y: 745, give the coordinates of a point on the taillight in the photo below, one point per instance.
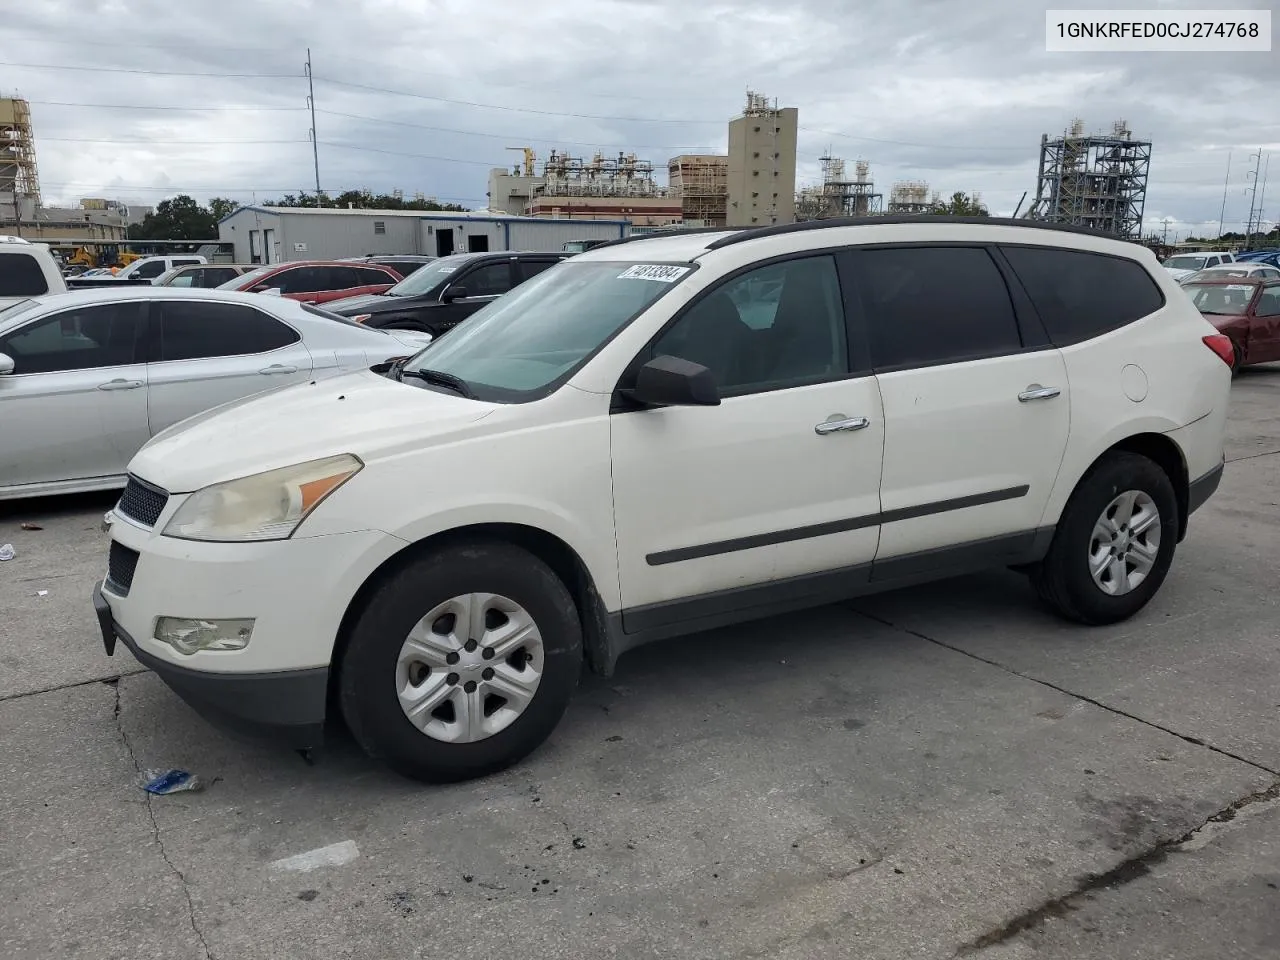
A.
x: 361, y: 317
x: 1221, y: 345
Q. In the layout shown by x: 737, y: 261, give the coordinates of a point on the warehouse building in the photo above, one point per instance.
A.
x: 278, y: 234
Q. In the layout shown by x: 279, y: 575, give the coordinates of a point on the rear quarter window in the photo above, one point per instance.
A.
x: 1081, y: 295
x: 21, y: 276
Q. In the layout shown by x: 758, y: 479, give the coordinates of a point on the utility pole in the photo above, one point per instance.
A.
x: 1165, y: 239
x: 1226, y: 180
x: 311, y: 102
x: 1262, y: 199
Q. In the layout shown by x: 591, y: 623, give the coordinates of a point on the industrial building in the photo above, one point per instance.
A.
x: 762, y: 164
x: 22, y: 211
x: 838, y: 195
x: 754, y: 183
x: 910, y: 198
x: 1093, y: 180
x: 699, y: 182
x: 277, y: 234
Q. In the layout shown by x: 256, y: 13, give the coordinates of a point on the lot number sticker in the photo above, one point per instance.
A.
x: 659, y: 272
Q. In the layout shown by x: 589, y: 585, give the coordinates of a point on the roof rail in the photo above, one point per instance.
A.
x: 664, y: 233
x: 781, y: 228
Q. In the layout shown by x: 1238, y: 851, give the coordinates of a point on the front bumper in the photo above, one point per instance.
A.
x: 286, y: 706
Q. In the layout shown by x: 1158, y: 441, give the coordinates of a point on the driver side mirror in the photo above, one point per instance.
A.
x: 6, y: 364
x: 454, y: 293
x: 673, y: 382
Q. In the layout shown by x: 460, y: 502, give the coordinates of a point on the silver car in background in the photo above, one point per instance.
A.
x: 86, y: 378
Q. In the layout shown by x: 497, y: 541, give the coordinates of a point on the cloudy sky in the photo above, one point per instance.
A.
x: 146, y: 98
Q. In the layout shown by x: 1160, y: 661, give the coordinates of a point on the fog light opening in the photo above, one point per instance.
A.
x: 188, y: 636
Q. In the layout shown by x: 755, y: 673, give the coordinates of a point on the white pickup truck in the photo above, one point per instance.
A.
x: 27, y: 270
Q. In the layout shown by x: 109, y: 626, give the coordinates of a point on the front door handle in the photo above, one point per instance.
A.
x: 1037, y: 392
x: 278, y: 368
x: 120, y: 384
x: 838, y: 422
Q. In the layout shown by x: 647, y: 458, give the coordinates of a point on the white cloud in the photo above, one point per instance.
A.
x: 957, y: 94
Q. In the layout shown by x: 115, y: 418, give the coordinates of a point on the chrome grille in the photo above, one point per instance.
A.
x: 142, y: 502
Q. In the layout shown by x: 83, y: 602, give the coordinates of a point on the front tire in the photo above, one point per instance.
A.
x: 462, y: 662
x: 1114, y: 543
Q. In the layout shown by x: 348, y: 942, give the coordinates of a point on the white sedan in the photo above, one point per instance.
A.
x: 86, y: 378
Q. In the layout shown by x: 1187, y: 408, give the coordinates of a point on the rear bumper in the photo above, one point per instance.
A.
x: 1202, y: 488
x: 283, y: 707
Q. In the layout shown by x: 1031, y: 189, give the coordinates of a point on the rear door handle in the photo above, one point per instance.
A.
x: 1037, y: 392
x: 120, y: 384
x: 278, y: 368
x: 839, y: 423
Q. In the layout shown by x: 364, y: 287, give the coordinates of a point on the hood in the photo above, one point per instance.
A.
x: 362, y: 413
x: 350, y: 306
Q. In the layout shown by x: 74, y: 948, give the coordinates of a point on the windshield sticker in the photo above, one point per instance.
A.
x: 447, y: 269
x: 659, y: 272
x: 1238, y: 286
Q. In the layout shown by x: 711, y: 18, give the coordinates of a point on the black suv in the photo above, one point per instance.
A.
x: 440, y: 295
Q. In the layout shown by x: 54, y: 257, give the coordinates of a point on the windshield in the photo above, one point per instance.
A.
x: 435, y: 274
x: 246, y: 280
x: 1184, y: 263
x: 1230, y: 299
x: 522, y: 343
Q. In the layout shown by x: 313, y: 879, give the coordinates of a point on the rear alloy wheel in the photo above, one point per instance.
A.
x: 1114, y: 542
x: 462, y: 662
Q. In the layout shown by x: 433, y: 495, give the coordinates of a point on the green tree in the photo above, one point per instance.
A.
x: 361, y: 200
x: 176, y: 218
x: 219, y: 207
x: 961, y: 205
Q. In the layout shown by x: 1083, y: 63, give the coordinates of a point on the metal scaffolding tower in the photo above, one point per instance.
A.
x: 1093, y: 180
x: 19, y: 180
x: 838, y: 196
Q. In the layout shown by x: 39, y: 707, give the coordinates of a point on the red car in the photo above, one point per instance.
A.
x: 317, y: 281
x: 1246, y: 310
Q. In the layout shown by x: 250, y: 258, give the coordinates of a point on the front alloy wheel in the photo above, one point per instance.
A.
x: 461, y: 661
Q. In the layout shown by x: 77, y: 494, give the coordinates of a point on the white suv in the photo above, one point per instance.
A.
x: 660, y: 436
x: 27, y: 270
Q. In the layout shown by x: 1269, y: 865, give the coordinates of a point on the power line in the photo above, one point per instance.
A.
x: 498, y: 136
x: 496, y: 106
x: 154, y: 73
x: 77, y: 185
x: 165, y: 143
x: 150, y: 106
x: 398, y: 153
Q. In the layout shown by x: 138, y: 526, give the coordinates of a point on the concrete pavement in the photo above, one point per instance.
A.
x: 938, y: 772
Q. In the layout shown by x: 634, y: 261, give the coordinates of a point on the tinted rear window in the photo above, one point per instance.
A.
x: 21, y: 276
x: 1081, y: 295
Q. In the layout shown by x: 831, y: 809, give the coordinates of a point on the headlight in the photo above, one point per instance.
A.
x: 361, y: 317
x: 265, y: 506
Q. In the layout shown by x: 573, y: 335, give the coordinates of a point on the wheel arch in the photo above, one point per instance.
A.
x: 563, y: 559
x: 1166, y: 454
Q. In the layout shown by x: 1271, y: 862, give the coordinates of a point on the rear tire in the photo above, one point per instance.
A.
x: 1129, y: 553
x: 1237, y: 358
x: 473, y: 723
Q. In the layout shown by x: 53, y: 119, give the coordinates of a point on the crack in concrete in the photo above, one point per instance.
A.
x: 1185, y: 737
x: 1254, y: 456
x: 71, y: 686
x: 155, y: 826
x: 1124, y: 873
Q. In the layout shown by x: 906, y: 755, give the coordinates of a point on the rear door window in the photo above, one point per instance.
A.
x: 151, y: 269
x: 84, y: 338
x: 930, y: 305
x: 21, y: 276
x: 1081, y: 295
x: 196, y: 330
x: 301, y: 280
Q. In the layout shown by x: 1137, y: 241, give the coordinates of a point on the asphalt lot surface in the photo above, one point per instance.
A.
x: 946, y: 771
